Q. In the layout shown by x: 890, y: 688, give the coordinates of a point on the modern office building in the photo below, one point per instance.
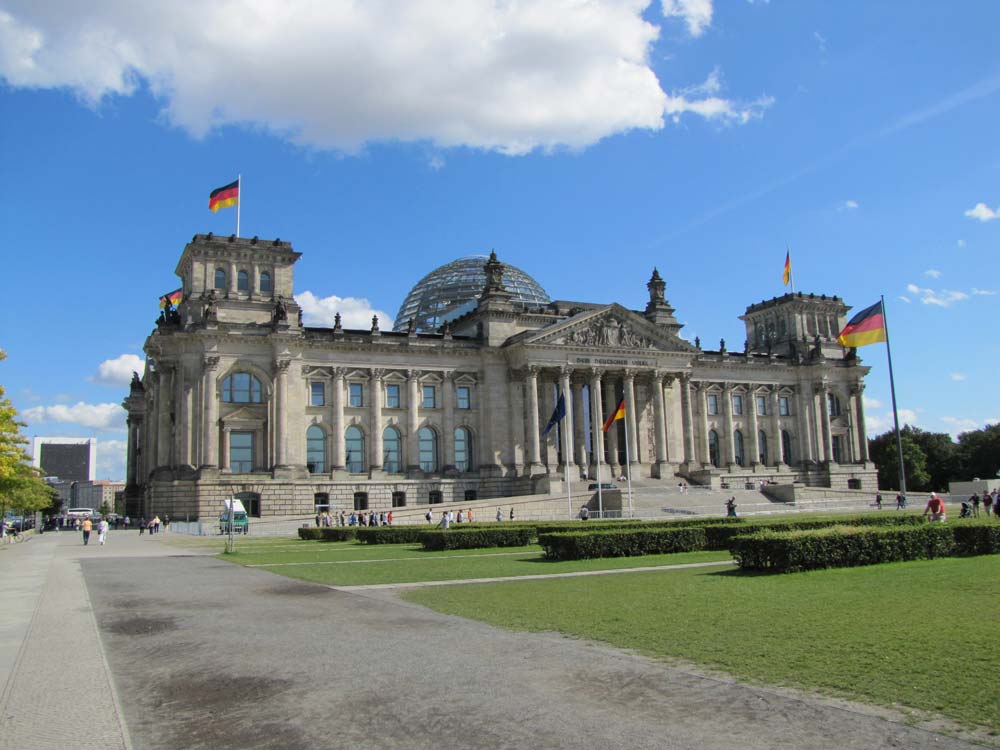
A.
x: 70, y: 459
x: 240, y: 398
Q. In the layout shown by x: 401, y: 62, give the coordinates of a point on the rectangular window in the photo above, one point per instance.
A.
x: 241, y: 452
x: 463, y: 395
x: 360, y: 501
x: 355, y: 395
x: 783, y: 406
x: 762, y: 405
x: 398, y: 499
x: 471, y: 495
x: 713, y: 404
x: 430, y: 402
x: 434, y: 497
x: 838, y: 448
x: 737, y: 405
x: 317, y: 394
x: 392, y: 396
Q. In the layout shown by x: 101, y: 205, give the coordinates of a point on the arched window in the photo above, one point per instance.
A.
x: 220, y: 278
x: 738, y: 446
x: 428, y: 449
x: 762, y: 447
x: 354, y: 444
x: 392, y: 450
x: 265, y: 282
x: 713, y: 448
x: 243, y: 281
x: 786, y: 447
x: 316, y: 449
x: 241, y: 388
x: 463, y: 449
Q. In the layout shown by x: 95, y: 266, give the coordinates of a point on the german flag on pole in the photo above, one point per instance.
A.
x: 867, y: 327
x: 225, y: 196
x: 788, y: 268
x: 619, y: 414
x: 173, y: 298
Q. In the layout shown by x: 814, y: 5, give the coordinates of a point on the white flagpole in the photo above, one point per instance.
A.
x: 239, y: 201
x: 628, y: 467
x: 600, y: 496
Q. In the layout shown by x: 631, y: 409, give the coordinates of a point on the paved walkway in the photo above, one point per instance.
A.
x: 143, y: 646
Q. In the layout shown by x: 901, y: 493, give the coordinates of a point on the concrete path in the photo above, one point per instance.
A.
x: 201, y: 653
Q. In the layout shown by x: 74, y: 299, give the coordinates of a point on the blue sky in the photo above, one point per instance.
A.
x: 585, y: 141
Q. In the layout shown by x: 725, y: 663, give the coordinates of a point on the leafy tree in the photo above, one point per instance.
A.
x: 942, y: 457
x: 882, y: 450
x: 20, y: 485
x: 979, y: 453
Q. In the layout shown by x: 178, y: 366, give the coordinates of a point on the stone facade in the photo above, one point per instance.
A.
x: 239, y: 398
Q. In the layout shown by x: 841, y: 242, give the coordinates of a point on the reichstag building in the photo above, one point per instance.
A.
x: 238, y: 397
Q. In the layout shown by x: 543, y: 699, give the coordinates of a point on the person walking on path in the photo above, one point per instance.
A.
x: 731, y: 507
x: 102, y: 531
x: 499, y: 514
x: 142, y: 526
x: 878, y: 500
x: 87, y: 526
x: 987, y: 503
x: 900, y: 501
x: 975, y: 504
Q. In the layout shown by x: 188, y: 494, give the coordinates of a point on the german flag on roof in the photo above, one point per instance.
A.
x: 867, y: 327
x: 172, y: 298
x: 225, y: 196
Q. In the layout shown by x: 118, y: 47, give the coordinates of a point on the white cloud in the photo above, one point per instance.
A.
x: 933, y: 273
x: 118, y: 371
x: 901, y: 298
x: 957, y: 376
x: 960, y: 243
x: 94, y: 416
x: 696, y: 13
x: 943, y: 298
x: 436, y: 163
x: 355, y: 312
x: 702, y: 99
x: 111, y: 459
x: 983, y: 212
x: 876, y: 424
x: 496, y: 75
x: 848, y: 205
x: 983, y: 292
x: 907, y: 416
x: 820, y: 40
x: 958, y: 425
x: 870, y: 403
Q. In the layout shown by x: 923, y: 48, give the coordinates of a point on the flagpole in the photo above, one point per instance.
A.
x: 239, y: 201
x: 895, y: 413
x: 628, y: 468
x: 791, y: 271
x: 600, y: 496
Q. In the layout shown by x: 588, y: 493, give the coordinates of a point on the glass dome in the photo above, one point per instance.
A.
x: 452, y: 290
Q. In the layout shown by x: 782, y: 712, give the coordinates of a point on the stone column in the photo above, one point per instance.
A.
x: 375, y: 461
x: 754, y: 438
x: 659, y: 420
x: 596, y: 422
x: 859, y: 411
x: 805, y: 404
x: 630, y: 421
x: 412, y: 420
x: 776, y: 452
x: 534, y: 435
x: 706, y: 453
x: 163, y: 424
x: 131, y: 457
x: 339, y: 463
x: 727, y: 410
x: 567, y: 424
x: 687, y: 420
x: 824, y: 411
x: 180, y: 418
x: 579, y: 429
x: 448, y: 438
x: 210, y: 441
x: 610, y: 404
x: 281, y: 411
x: 516, y: 390
x: 232, y: 280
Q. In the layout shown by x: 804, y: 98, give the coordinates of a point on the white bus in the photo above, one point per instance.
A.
x: 80, y: 513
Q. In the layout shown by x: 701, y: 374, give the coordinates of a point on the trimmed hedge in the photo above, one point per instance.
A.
x: 473, y: 538
x: 390, y: 534
x: 840, y: 547
x: 583, y: 545
x: 327, y: 534
x: 977, y: 537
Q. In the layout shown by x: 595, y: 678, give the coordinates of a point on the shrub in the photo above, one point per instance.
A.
x: 327, y: 534
x: 976, y: 538
x: 390, y: 534
x: 840, y: 546
x: 473, y: 538
x: 581, y: 545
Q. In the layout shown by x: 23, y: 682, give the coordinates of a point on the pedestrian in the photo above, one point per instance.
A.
x: 86, y: 526
x: 353, y: 520
x: 382, y: 519
x: 102, y: 531
x: 975, y: 504
x: 499, y: 514
x: 935, y: 506
x: 343, y: 518
x: 460, y: 516
x: 445, y: 520
x: 468, y: 515
x: 429, y: 516
x: 584, y: 513
x: 987, y: 503
x: 166, y: 523
x: 142, y: 526
x: 512, y: 513
x: 156, y: 524
x: 900, y: 501
x: 128, y: 522
x: 451, y: 517
x: 388, y: 518
x: 731, y: 507
x: 318, y: 519
x: 878, y: 500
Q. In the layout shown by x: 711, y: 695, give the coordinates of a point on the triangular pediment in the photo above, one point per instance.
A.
x: 246, y: 413
x: 611, y: 328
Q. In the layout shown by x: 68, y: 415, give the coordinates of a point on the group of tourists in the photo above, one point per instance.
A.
x: 153, y: 526
x: 448, y: 517
x: 87, y: 526
x: 990, y: 502
x: 327, y: 519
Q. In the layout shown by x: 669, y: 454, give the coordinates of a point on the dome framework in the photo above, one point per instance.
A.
x: 451, y: 290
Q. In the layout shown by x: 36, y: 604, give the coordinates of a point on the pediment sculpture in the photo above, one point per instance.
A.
x: 608, y: 332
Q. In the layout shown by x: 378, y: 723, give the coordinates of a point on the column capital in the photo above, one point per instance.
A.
x: 447, y: 375
x: 210, y: 363
x: 566, y: 371
x: 339, y: 372
x: 413, y: 374
x: 629, y: 374
x: 533, y: 371
x: 282, y: 365
x: 595, y: 373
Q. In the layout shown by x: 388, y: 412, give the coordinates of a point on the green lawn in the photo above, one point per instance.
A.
x: 917, y: 634
x: 351, y: 564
